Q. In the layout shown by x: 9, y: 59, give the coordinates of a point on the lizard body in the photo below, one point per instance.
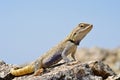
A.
x: 57, y: 53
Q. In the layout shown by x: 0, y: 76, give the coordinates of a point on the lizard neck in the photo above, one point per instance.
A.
x: 75, y: 42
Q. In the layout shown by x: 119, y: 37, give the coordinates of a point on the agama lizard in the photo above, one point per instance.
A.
x: 57, y: 53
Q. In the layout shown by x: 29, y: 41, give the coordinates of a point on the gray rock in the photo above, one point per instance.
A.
x: 92, y: 70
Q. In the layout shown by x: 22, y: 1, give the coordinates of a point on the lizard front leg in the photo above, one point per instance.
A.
x: 69, y: 48
x: 73, y: 54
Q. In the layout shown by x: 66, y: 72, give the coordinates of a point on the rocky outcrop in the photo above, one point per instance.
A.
x: 117, y: 77
x: 110, y: 57
x: 92, y: 64
x: 92, y: 70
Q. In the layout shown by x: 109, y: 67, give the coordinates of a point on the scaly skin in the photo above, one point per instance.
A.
x: 57, y: 53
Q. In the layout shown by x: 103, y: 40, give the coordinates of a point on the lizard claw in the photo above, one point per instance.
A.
x: 73, y: 63
x: 67, y: 60
x: 38, y: 72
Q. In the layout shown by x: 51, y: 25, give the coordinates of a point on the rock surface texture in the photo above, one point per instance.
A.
x: 110, y: 57
x: 92, y: 64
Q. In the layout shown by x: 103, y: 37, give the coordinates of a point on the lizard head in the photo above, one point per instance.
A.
x: 80, y: 32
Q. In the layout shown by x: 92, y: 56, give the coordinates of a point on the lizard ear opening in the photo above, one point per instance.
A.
x: 74, y: 34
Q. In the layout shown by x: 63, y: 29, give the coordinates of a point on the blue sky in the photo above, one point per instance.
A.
x: 29, y: 28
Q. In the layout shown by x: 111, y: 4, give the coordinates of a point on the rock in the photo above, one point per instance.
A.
x: 107, y: 56
x: 93, y: 64
x: 2, y: 62
x: 117, y: 77
x: 101, y: 69
x: 4, y: 69
x: 92, y: 70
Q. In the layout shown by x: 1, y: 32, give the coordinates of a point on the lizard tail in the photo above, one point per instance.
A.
x: 22, y: 71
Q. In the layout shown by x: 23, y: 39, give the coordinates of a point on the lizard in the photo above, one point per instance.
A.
x: 66, y: 47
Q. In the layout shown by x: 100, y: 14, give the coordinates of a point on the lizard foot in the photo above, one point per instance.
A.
x: 73, y: 63
x: 38, y: 72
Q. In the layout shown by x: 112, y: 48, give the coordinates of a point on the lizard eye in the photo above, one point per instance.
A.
x: 81, y: 26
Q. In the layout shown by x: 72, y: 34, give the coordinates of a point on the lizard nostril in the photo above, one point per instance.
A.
x: 91, y: 25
